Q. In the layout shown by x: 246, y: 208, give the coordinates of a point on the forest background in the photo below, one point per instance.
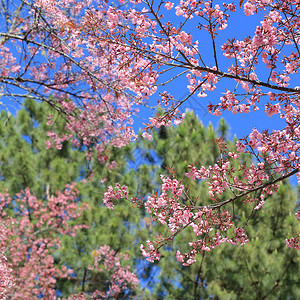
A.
x: 257, y: 270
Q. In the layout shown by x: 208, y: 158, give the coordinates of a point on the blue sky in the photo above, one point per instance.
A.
x: 239, y: 26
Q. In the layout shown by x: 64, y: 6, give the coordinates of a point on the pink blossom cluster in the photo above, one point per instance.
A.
x: 260, y: 204
x: 120, y: 277
x: 72, y: 76
x: 151, y: 254
x: 169, y: 209
x: 30, y: 270
x: 210, y: 225
x: 115, y: 193
x: 169, y: 5
x: 223, y: 176
x: 147, y: 136
x: 8, y: 63
x: 205, y: 9
x: 6, y: 278
x: 293, y: 242
x: 200, y: 245
x: 27, y: 249
x: 240, y: 237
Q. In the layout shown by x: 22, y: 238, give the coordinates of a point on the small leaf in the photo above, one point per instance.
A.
x: 241, y: 2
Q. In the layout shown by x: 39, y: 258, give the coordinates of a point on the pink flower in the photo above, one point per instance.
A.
x: 259, y: 205
x: 147, y: 136
x: 249, y: 8
x: 293, y: 242
x: 169, y: 5
x: 272, y: 109
x: 240, y: 237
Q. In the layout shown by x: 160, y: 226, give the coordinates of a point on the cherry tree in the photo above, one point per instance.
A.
x: 96, y: 63
x: 107, y: 262
x: 44, y: 55
x: 31, y: 239
x: 6, y: 278
x: 166, y: 46
x: 32, y: 236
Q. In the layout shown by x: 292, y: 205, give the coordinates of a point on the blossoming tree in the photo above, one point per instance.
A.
x: 34, y: 234
x: 261, y: 268
x: 7, y: 280
x: 25, y: 162
x: 96, y: 63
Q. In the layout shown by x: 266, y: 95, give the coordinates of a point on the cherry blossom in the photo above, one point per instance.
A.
x: 120, y: 277
x: 6, y: 277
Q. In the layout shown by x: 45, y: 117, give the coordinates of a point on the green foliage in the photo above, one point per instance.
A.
x: 265, y: 268
x: 25, y: 161
x: 262, y: 269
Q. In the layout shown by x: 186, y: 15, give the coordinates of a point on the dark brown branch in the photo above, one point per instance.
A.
x: 218, y: 205
x: 198, y: 276
x: 83, y: 280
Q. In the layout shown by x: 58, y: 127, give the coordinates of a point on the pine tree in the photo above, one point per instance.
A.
x: 228, y: 272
